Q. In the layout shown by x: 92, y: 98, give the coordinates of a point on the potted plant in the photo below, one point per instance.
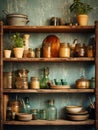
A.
x: 81, y: 9
x: 18, y: 45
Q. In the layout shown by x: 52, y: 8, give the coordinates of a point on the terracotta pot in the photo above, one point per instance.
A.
x: 18, y: 52
x: 82, y: 19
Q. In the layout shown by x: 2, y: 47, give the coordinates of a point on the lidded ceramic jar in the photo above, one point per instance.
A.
x: 64, y: 50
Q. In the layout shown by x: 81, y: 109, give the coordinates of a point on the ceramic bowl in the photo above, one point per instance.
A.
x: 24, y: 116
x: 78, y: 117
x: 73, y: 109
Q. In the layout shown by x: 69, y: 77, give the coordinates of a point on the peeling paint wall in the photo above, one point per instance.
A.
x: 40, y: 11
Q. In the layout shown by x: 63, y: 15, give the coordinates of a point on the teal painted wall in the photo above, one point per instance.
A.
x: 39, y: 13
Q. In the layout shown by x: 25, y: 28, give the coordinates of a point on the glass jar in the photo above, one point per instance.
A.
x: 9, y: 112
x: 21, y: 83
x: 92, y: 82
x: 51, y: 111
x: 34, y: 114
x: 35, y: 84
x: 15, y: 106
x: 90, y: 51
x: 31, y: 53
x: 80, y: 50
x: 64, y: 50
x: 38, y: 52
x: 43, y: 114
x: 47, y: 50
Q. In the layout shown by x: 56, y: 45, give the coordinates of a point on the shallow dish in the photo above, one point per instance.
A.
x: 82, y: 112
x: 73, y: 109
x: 78, y: 117
x: 59, y: 86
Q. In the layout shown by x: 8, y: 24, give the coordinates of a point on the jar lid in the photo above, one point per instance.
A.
x: 64, y: 44
x: 38, y: 49
x: 34, y: 110
x: 34, y: 78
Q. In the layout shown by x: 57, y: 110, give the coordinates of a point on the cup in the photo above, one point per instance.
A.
x: 7, y: 53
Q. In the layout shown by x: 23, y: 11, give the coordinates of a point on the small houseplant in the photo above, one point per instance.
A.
x: 81, y: 9
x: 18, y: 45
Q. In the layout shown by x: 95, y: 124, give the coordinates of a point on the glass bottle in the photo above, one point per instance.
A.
x: 44, y: 79
x: 27, y: 105
x: 51, y: 111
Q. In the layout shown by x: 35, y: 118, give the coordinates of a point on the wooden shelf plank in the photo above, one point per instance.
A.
x: 76, y: 59
x: 45, y: 122
x: 50, y: 29
x: 48, y: 90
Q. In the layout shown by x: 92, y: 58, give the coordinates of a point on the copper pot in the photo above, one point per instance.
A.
x: 82, y: 83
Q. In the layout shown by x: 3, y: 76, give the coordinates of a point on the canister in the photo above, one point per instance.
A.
x: 64, y: 50
x: 34, y: 83
x: 7, y: 79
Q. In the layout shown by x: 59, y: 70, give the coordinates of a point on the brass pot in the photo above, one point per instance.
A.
x: 82, y: 83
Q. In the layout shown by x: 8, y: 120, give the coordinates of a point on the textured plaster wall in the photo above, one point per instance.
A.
x: 39, y: 13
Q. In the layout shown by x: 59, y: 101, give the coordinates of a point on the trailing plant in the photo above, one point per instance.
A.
x: 79, y: 7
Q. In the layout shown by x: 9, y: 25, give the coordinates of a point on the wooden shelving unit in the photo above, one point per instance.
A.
x: 50, y: 29
x: 86, y: 59
x: 67, y: 90
x: 45, y: 122
x: 47, y: 29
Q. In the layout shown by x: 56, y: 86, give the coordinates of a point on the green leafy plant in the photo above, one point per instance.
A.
x: 17, y: 40
x: 79, y: 7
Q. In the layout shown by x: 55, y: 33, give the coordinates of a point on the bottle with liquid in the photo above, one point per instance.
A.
x: 51, y: 110
x: 27, y: 105
x: 44, y: 78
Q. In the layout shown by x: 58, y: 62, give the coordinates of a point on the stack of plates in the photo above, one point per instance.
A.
x: 78, y: 116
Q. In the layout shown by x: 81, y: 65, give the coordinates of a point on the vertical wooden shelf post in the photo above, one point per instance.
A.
x: 1, y: 75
